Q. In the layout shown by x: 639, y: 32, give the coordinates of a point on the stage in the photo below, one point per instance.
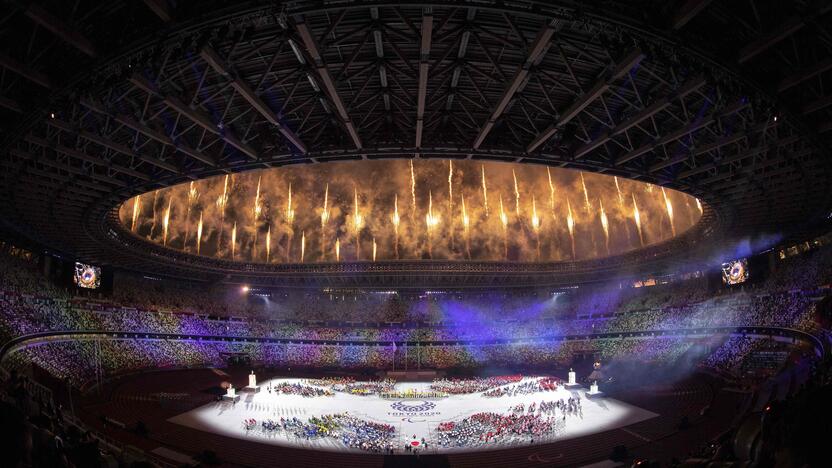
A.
x: 419, y: 418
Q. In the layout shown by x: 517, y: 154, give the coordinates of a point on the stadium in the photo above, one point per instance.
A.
x: 452, y: 233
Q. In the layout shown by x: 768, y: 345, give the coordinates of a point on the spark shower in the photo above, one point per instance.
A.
x: 417, y: 209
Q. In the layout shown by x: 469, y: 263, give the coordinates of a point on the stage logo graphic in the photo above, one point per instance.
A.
x: 413, y: 406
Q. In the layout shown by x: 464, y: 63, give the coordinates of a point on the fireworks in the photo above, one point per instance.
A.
x: 396, y: 220
x: 451, y: 202
x: 193, y: 195
x: 605, y: 225
x: 551, y: 194
x: 412, y: 191
x: 137, y: 209
x: 504, y: 220
x: 570, y: 225
x: 269, y: 244
x: 586, y: 196
x: 165, y: 223
x: 637, y: 219
x: 153, y: 207
x: 234, y: 241
x: 290, y: 210
x: 669, y: 207
x: 324, y: 219
x: 337, y: 249
x: 466, y: 224
x: 256, y: 211
x: 484, y: 191
x: 375, y: 215
x: 516, y: 195
x: 357, y: 222
x: 199, y: 233
x: 536, y: 225
x: 375, y: 248
x: 431, y: 221
x: 222, y: 201
x: 618, y: 190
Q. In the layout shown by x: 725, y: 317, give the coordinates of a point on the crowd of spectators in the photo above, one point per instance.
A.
x: 532, y: 338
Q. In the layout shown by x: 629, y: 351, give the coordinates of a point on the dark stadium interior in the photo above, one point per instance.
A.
x: 453, y: 233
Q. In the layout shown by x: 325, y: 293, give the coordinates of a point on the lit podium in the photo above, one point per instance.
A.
x: 252, y: 384
x: 594, y: 392
x: 572, y: 382
x: 231, y: 394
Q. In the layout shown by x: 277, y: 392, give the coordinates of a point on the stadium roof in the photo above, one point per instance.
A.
x: 100, y: 101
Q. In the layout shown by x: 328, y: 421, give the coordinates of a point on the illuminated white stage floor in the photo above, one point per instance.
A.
x: 418, y: 418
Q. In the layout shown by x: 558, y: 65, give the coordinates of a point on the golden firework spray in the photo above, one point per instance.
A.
x: 199, y: 233
x: 302, y: 245
x: 290, y: 210
x: 269, y: 244
x: 466, y: 224
x: 431, y: 221
x: 234, y: 240
x: 137, y: 209
x: 637, y: 219
x: 605, y: 225
x: 504, y: 220
x: 337, y: 249
x: 375, y: 249
x: 324, y: 220
x: 165, y: 223
x: 536, y: 225
x: 451, y: 202
x: 357, y: 221
x: 618, y: 190
x: 222, y: 201
x: 699, y: 206
x: 551, y: 195
x: 484, y: 191
x: 193, y: 195
x: 586, y: 196
x: 669, y: 207
x: 396, y: 220
x: 256, y: 210
x: 153, y: 207
x: 412, y: 191
x: 570, y: 225
x: 516, y: 195
x: 622, y: 208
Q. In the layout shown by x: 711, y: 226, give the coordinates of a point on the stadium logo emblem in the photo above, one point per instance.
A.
x: 413, y: 407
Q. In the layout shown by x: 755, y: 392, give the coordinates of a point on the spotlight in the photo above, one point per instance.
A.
x: 245, y: 289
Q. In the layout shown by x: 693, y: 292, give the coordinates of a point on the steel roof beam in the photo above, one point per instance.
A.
x: 67, y: 168
x: 80, y: 155
x: 688, y: 11
x: 25, y: 71
x: 659, y: 105
x: 150, y: 133
x: 218, y: 64
x: 681, y: 132
x: 424, y: 64
x: 793, y: 80
x: 107, y: 143
x: 326, y: 78
x: 61, y: 29
x: 581, y: 102
x: 536, y: 52
x: 196, y: 116
x: 160, y: 8
x: 10, y: 104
